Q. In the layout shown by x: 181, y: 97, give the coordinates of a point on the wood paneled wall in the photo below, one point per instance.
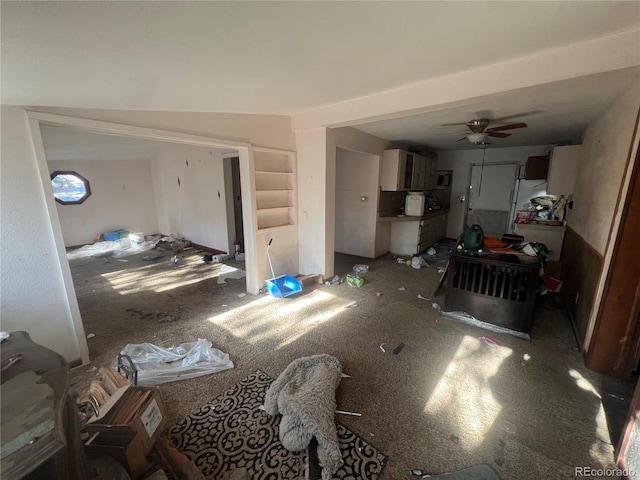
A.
x: 581, y: 269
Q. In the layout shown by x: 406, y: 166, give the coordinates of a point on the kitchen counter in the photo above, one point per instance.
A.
x: 410, y: 218
x: 550, y: 235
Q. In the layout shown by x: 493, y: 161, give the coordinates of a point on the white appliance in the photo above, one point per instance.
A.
x: 414, y: 204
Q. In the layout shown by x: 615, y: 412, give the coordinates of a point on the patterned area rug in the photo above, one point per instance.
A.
x: 232, y: 432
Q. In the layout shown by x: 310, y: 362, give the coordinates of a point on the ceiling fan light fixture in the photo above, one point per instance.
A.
x: 477, y: 138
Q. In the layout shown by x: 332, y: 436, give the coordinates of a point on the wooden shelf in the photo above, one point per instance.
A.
x: 275, y: 190
x: 275, y: 217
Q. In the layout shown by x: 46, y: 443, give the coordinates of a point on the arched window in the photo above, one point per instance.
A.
x: 70, y: 188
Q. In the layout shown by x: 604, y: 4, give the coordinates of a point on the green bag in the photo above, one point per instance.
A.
x: 354, y: 280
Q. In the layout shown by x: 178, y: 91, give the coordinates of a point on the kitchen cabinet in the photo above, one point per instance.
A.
x: 410, y: 237
x: 402, y: 170
x: 551, y: 236
x: 563, y: 168
x: 537, y: 168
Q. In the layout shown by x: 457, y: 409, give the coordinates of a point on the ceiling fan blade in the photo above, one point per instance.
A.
x: 460, y: 139
x: 506, y: 127
x: 497, y: 134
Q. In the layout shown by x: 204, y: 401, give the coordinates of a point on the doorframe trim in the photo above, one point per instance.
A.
x: 243, y: 151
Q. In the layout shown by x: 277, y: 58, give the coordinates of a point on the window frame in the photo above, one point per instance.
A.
x: 86, y: 183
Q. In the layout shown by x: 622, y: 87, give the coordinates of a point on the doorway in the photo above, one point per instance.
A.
x: 237, y: 205
x: 38, y: 119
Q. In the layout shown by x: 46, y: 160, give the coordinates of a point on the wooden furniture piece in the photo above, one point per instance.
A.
x: 39, y: 430
x: 495, y: 288
x: 537, y: 167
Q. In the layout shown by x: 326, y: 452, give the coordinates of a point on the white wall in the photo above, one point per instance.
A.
x: 191, y: 195
x: 33, y: 296
x: 121, y: 197
x: 356, y: 176
x: 316, y: 200
x: 605, y: 149
x: 460, y: 162
x: 34, y: 292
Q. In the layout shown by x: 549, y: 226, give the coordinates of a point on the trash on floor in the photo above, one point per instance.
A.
x: 227, y: 271
x: 418, y: 263
x: 351, y: 305
x: 401, y: 260
x: 382, y: 347
x: 152, y: 257
x: 481, y: 471
x: 471, y: 320
x: 402, y: 289
x: 335, y: 280
x: 342, y: 412
x: 508, y: 427
x: 421, y: 297
x: 157, y: 365
x: 360, y: 269
x: 436, y: 306
x: 398, y: 349
x: 242, y: 295
x: 378, y: 294
x: 490, y: 341
x: 175, y: 261
x: 354, y: 280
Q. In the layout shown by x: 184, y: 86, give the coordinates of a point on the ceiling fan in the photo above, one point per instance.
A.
x: 480, y: 131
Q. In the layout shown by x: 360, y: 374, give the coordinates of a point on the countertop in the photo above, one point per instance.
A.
x: 411, y: 218
x: 539, y: 226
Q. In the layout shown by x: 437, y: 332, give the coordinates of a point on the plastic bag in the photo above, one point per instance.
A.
x: 354, y: 280
x: 360, y: 269
x: 418, y: 262
x: 158, y: 365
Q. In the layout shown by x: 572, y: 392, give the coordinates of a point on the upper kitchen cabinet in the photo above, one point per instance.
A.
x: 402, y: 170
x: 563, y: 168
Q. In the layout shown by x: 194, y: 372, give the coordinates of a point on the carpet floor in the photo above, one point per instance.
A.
x: 447, y: 400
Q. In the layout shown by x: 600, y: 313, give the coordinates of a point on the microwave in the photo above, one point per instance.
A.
x: 443, y: 180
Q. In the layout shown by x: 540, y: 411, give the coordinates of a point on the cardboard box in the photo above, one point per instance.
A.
x: 148, y: 422
x: 123, y: 445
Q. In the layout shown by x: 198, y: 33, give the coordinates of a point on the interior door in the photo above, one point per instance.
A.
x: 490, y: 193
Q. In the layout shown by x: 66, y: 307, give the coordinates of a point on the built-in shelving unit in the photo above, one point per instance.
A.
x: 274, y: 175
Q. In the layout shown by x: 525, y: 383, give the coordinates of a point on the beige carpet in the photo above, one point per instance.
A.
x: 445, y: 402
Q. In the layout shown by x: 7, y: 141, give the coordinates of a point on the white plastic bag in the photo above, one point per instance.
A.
x: 158, y: 365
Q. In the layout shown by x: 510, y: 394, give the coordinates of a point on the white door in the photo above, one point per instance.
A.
x: 490, y: 193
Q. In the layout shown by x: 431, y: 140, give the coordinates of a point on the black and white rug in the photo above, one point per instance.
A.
x: 231, y: 432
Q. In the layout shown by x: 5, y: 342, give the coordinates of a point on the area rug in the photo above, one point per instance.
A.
x: 232, y: 432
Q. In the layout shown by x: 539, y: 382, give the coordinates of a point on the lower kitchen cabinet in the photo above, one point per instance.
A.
x: 410, y: 237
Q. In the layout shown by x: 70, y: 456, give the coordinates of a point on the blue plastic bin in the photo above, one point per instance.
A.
x: 283, y: 286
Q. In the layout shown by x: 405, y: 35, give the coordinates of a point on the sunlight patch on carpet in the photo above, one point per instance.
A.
x: 464, y: 392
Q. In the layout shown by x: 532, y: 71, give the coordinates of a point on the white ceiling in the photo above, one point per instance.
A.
x: 62, y: 143
x: 293, y: 57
